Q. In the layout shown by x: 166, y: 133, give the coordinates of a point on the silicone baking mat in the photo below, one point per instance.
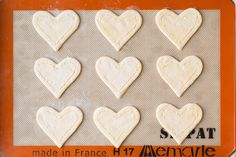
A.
x: 18, y: 130
x: 88, y: 92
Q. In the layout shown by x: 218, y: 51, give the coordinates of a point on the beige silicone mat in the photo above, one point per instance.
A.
x: 88, y: 92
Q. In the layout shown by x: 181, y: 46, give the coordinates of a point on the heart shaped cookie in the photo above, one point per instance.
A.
x: 116, y: 126
x: 118, y: 29
x: 55, y: 30
x: 118, y: 76
x: 179, y: 75
x: 179, y: 122
x: 178, y: 28
x: 59, y: 126
x: 57, y: 77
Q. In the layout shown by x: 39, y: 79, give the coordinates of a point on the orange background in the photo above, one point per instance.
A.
x: 6, y: 64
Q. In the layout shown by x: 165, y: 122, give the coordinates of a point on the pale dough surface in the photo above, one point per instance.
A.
x: 179, y: 28
x: 59, y: 126
x: 116, y: 126
x: 118, y: 76
x: 55, y: 30
x: 179, y: 75
x: 88, y: 92
x: 179, y: 122
x: 118, y: 29
x: 57, y: 77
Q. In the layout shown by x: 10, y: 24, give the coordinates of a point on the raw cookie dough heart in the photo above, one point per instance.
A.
x: 56, y: 30
x: 118, y: 76
x: 116, y: 126
x: 179, y: 75
x: 59, y: 126
x: 57, y: 77
x: 179, y: 28
x: 179, y: 122
x: 118, y: 29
